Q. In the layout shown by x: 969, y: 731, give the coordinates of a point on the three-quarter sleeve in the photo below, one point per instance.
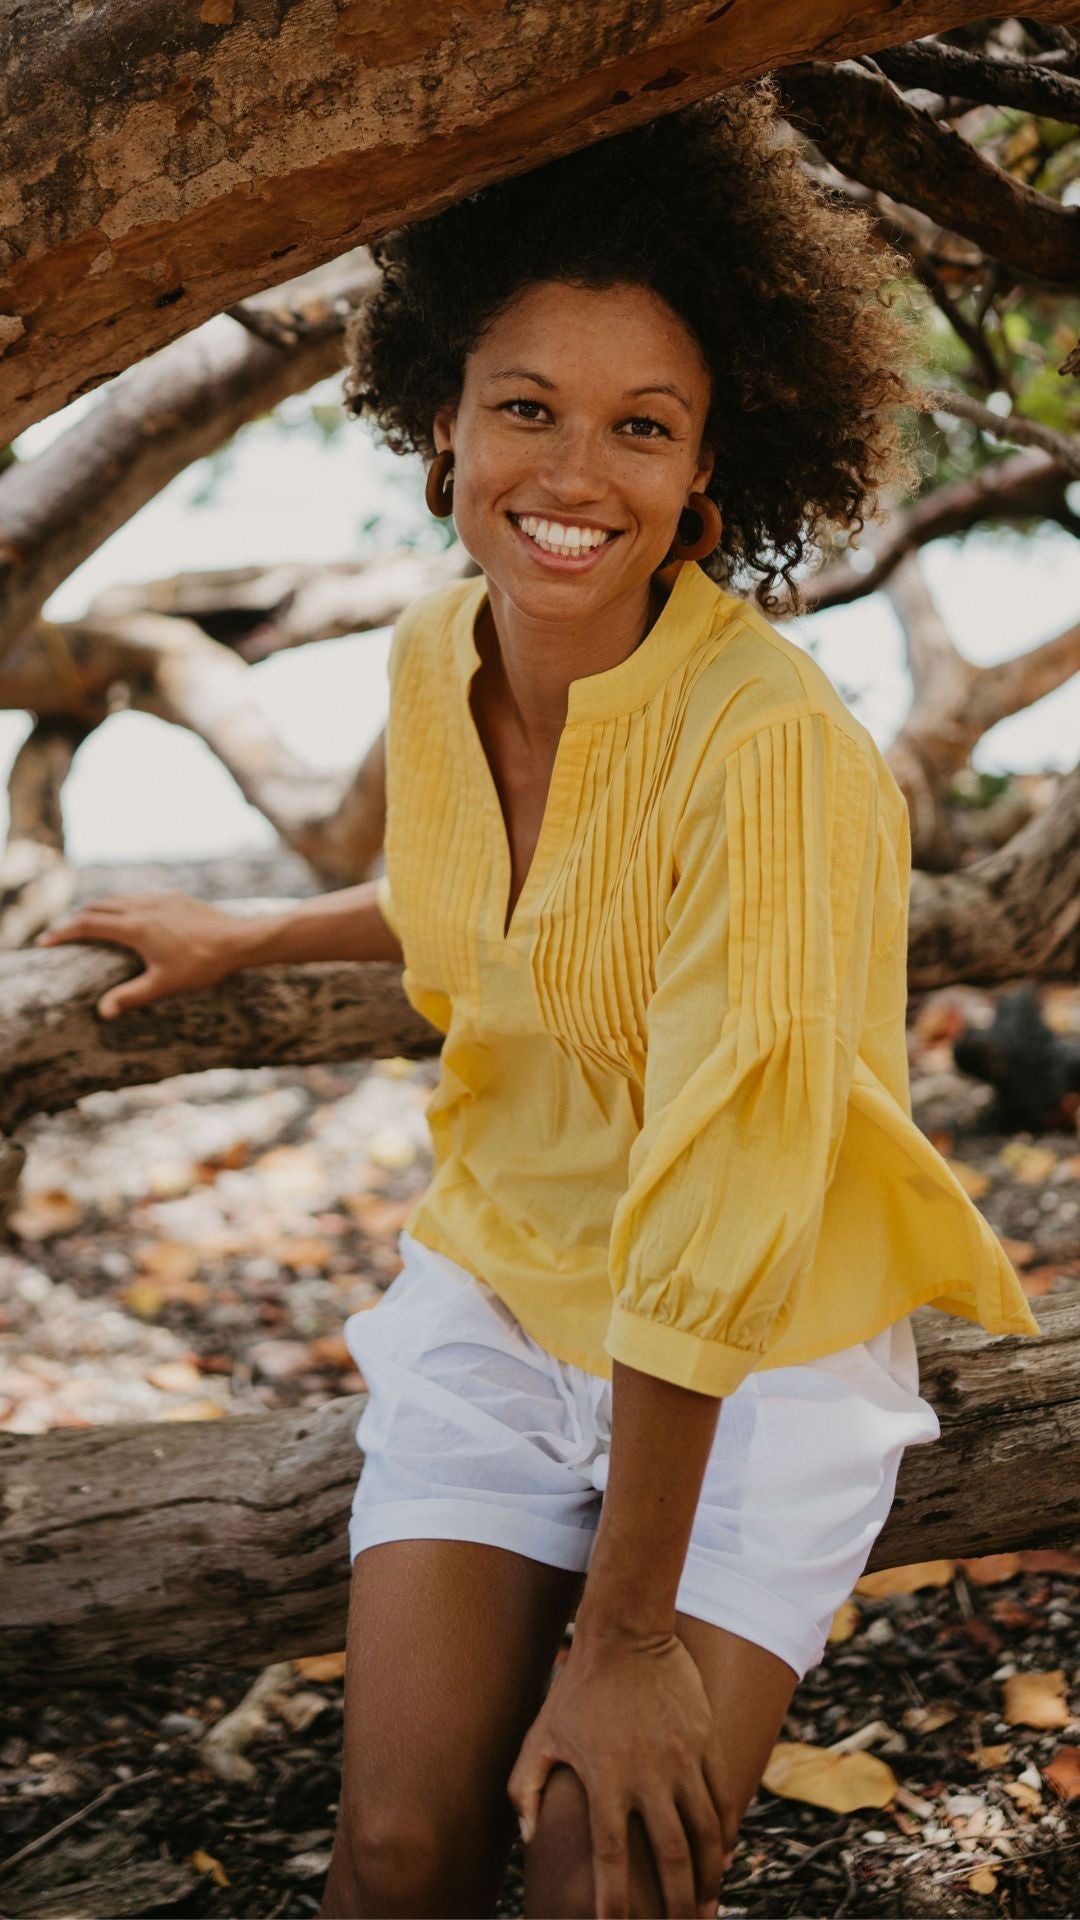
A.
x: 752, y: 1031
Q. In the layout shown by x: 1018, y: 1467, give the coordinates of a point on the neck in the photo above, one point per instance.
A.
x: 531, y: 663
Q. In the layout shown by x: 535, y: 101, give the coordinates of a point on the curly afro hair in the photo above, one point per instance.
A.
x: 790, y: 292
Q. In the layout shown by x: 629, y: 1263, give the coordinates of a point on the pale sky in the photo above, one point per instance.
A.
x: 141, y: 789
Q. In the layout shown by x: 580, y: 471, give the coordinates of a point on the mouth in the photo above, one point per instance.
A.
x: 563, y: 547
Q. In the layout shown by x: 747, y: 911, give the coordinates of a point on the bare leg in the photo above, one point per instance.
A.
x: 450, y: 1647
x: 748, y: 1691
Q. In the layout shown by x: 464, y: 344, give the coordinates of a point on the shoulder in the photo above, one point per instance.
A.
x: 750, y: 679
x: 425, y: 623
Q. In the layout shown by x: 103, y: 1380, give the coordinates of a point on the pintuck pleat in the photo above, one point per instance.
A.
x: 672, y: 1124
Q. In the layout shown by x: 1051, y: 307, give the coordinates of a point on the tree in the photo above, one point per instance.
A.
x: 160, y: 214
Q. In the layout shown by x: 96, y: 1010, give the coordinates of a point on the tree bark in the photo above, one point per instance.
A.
x: 227, y: 1541
x: 163, y: 163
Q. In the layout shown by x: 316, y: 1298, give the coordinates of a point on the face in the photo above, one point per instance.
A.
x: 580, y: 409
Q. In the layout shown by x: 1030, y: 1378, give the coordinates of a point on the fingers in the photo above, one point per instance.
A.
x: 673, y: 1859
x: 95, y: 921
x: 132, y: 993
x: 709, y: 1844
x: 610, y: 1859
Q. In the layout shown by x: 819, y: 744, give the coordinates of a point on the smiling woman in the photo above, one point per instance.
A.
x: 648, y: 1357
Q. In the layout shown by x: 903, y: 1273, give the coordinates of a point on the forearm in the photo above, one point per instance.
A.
x: 342, y: 925
x: 661, y: 1437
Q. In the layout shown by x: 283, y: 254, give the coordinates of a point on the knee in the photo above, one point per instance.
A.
x: 558, y: 1859
x: 394, y: 1868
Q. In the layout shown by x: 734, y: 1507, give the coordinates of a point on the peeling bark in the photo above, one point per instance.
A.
x: 162, y: 163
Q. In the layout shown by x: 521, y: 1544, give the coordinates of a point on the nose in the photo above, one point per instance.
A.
x: 571, y: 469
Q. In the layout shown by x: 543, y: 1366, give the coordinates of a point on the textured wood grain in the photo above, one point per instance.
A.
x: 161, y: 163
x: 226, y: 1541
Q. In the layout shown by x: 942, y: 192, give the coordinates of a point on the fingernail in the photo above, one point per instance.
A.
x: 526, y: 1831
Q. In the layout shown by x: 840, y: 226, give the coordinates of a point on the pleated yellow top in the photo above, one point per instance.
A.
x: 673, y: 1123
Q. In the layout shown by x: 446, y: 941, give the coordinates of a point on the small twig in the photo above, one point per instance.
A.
x: 117, y: 1786
x: 1003, y: 426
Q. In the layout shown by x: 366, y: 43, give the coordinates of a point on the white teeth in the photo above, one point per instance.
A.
x: 554, y: 538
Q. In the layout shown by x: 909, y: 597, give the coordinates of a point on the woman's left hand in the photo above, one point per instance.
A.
x: 629, y: 1713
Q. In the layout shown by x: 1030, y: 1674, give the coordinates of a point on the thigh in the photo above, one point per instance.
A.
x: 450, y: 1649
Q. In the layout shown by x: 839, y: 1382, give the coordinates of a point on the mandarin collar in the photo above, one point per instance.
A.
x: 689, y: 614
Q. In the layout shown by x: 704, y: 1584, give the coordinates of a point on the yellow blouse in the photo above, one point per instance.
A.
x: 673, y: 1125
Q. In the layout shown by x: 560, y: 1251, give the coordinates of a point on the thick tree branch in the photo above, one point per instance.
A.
x: 1019, y: 488
x: 59, y: 507
x: 109, y: 1537
x: 868, y: 130
x: 213, y: 153
x: 1007, y: 82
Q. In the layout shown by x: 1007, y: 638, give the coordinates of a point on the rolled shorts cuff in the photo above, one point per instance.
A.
x: 481, y: 1521
x: 739, y: 1605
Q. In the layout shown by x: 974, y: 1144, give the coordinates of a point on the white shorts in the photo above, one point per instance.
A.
x: 472, y: 1431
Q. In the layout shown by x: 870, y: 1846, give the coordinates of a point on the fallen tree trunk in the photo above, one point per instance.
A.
x: 227, y: 1542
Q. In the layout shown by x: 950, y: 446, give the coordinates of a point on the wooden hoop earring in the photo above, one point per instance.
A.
x: 439, y: 485
x: 712, y: 526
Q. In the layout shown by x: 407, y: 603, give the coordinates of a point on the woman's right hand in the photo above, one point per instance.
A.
x: 183, y: 942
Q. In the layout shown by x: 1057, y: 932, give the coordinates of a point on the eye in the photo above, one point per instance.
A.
x: 646, y: 420
x: 507, y: 404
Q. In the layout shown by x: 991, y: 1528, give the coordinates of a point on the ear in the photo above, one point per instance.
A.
x: 443, y: 428
x: 706, y: 466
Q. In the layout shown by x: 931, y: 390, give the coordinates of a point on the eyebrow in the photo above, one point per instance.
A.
x: 632, y: 393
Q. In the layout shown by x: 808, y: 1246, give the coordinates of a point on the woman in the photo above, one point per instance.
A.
x: 648, y: 1362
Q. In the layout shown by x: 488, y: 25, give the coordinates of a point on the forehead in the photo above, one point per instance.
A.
x: 620, y: 330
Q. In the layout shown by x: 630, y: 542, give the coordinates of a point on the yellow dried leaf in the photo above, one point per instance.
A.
x: 143, y: 1298
x: 974, y: 1183
x: 983, y: 1880
x: 193, y: 1410
x: 167, y: 1259
x: 928, y: 1719
x: 43, y: 1211
x: 1034, y: 1166
x: 321, y: 1666
x: 1026, y: 1797
x: 175, y: 1376
x: 840, y: 1782
x: 988, y: 1759
x: 206, y: 1863
x: 1036, y: 1699
x: 909, y: 1579
x: 844, y: 1622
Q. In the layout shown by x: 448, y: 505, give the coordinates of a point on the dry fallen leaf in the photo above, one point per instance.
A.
x: 841, y: 1782
x: 1063, y: 1773
x: 988, y: 1759
x: 206, y: 1863
x: 1036, y: 1699
x: 1050, y: 1560
x: 909, y: 1579
x: 1032, y: 1166
x: 1025, y: 1796
x: 321, y: 1666
x: 991, y: 1568
x: 175, y: 1376
x: 928, y: 1719
x: 43, y: 1211
x: 192, y: 1410
x: 845, y: 1621
x: 974, y: 1183
x: 983, y: 1880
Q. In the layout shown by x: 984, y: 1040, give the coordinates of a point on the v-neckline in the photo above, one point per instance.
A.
x: 552, y: 806
x: 591, y: 697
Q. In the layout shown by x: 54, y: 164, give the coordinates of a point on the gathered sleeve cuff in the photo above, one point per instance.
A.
x: 752, y: 1033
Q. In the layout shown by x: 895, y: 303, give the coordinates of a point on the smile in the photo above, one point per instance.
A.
x: 572, y: 548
